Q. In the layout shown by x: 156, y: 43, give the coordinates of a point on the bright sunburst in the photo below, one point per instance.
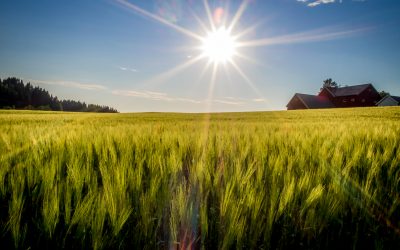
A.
x: 219, y: 46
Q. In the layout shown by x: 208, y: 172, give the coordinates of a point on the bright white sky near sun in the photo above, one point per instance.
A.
x: 162, y: 55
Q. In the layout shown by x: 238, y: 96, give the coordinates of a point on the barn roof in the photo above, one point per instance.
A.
x: 349, y: 90
x: 315, y: 102
x: 397, y: 98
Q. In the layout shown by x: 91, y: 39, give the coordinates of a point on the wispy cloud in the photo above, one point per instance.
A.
x: 235, y: 98
x: 127, y: 69
x: 238, y: 100
x: 229, y: 102
x: 318, y: 2
x: 259, y: 100
x: 318, y: 35
x: 142, y: 94
x: 159, y: 96
x: 151, y: 95
x: 72, y: 84
x: 313, y: 3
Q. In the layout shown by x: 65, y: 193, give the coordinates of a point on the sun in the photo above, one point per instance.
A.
x: 219, y: 46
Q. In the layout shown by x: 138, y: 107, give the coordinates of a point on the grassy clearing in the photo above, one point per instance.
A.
x: 303, y: 179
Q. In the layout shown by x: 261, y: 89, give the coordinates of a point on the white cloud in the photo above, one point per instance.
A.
x: 318, y: 2
x: 313, y: 3
x: 127, y: 69
x: 73, y: 84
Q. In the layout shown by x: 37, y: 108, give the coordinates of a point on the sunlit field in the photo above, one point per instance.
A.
x: 302, y: 179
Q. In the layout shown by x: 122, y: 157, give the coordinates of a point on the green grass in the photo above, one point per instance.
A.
x: 302, y: 179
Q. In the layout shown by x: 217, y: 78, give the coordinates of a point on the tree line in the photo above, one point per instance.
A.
x: 14, y: 94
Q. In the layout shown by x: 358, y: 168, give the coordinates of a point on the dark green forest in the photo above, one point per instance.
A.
x: 14, y: 94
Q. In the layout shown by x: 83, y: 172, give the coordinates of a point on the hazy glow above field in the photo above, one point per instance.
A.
x: 219, y: 46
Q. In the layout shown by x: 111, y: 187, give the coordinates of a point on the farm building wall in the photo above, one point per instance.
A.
x: 325, y: 93
x: 296, y: 103
x: 368, y: 98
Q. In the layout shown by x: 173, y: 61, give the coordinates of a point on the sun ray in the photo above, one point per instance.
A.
x: 311, y: 36
x: 208, y: 103
x: 249, y: 59
x: 211, y: 86
x: 203, y: 71
x: 159, y: 19
x: 174, y: 71
x: 209, y: 14
x: 199, y: 21
x: 238, y: 15
x: 201, y: 75
x: 225, y: 14
x: 246, y: 78
x: 247, y: 30
x: 227, y: 74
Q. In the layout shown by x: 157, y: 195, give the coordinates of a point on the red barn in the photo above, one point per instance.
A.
x: 364, y: 95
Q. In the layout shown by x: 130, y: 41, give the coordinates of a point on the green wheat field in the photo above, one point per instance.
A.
x: 319, y: 179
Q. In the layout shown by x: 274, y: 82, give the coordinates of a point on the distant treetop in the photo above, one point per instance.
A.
x: 383, y: 93
x: 328, y: 83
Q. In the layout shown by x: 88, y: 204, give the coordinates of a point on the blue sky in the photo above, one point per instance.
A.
x: 108, y: 53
